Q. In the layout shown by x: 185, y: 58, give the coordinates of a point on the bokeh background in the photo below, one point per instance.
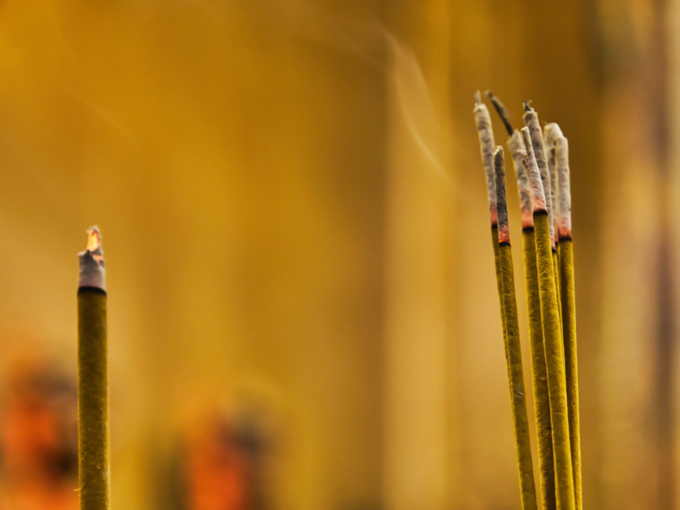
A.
x: 293, y: 210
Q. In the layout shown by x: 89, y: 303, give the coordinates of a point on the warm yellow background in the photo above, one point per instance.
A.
x: 293, y: 205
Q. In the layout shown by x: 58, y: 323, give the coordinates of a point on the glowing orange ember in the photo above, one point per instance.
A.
x: 92, y: 240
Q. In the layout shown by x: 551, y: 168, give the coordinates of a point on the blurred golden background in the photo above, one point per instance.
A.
x: 294, y: 216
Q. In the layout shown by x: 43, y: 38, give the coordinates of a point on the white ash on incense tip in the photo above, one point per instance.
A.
x: 536, y: 137
x: 531, y: 166
x: 516, y: 146
x: 92, y: 266
x: 564, y: 222
x: 552, y: 133
x: 488, y: 146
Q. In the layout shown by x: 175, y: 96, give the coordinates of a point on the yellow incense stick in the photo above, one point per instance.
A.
x: 566, y: 248
x: 571, y: 361
x: 93, y: 436
x: 513, y: 348
x: 552, y: 338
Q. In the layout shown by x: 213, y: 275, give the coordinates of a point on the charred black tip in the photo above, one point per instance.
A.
x: 502, y: 112
x: 527, y: 106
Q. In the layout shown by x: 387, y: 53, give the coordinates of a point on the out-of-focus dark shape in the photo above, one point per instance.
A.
x: 223, y: 463
x: 38, y: 437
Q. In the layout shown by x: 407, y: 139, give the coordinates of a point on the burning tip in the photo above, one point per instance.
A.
x: 94, y: 240
x: 92, y: 261
x: 527, y: 106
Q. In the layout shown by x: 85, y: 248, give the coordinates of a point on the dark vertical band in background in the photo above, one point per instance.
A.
x: 666, y: 285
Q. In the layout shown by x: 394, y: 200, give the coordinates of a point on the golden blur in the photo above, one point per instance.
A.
x: 294, y: 214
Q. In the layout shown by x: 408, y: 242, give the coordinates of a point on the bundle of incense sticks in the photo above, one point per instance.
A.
x: 541, y: 162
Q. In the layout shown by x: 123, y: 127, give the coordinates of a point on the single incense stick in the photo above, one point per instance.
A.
x: 93, y: 434
x: 536, y: 136
x: 569, y: 311
x: 542, y: 155
x: 513, y: 348
x: 487, y: 146
x: 552, y: 337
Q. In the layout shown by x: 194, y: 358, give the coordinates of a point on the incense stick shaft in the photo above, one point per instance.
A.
x: 513, y: 353
x: 546, y: 468
x: 497, y: 265
x: 554, y: 360
x: 93, y: 440
x: 556, y: 272
x: 571, y: 360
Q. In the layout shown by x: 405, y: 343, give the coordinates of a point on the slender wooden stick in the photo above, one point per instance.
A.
x: 513, y: 348
x: 569, y: 313
x: 93, y: 434
x: 552, y: 338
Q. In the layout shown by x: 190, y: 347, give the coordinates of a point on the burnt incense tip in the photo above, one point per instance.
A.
x: 502, y: 112
x: 501, y: 199
x: 564, y: 193
x: 551, y: 132
x: 478, y: 97
x: 498, y: 155
x: 530, y: 165
x: 527, y: 106
x: 92, y: 266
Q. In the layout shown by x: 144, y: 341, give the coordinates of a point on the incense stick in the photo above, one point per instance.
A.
x: 536, y: 137
x: 487, y: 146
x: 513, y: 349
x: 552, y: 336
x: 569, y: 312
x: 93, y: 440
